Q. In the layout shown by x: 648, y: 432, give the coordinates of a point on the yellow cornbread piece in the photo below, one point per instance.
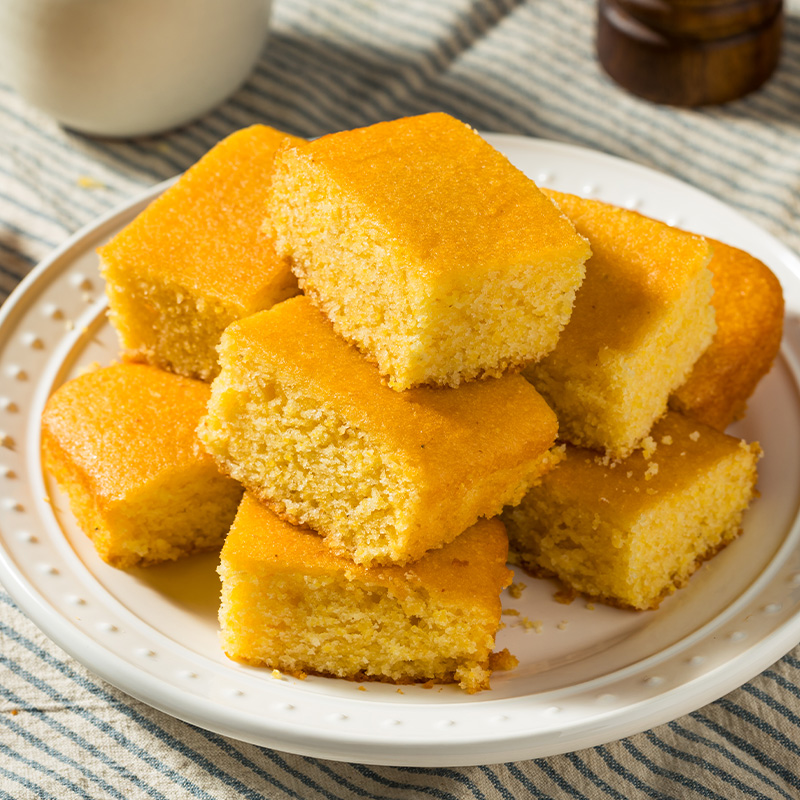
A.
x: 631, y: 532
x: 306, y: 423
x: 290, y: 604
x: 197, y: 258
x: 749, y: 306
x: 121, y: 442
x: 426, y: 248
x: 642, y: 317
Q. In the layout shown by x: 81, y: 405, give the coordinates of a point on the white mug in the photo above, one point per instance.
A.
x: 125, y: 68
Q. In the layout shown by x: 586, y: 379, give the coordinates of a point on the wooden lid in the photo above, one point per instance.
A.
x: 689, y: 52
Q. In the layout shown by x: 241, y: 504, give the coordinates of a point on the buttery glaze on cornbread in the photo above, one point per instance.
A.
x: 426, y: 248
x: 197, y: 258
x: 289, y: 603
x: 121, y: 442
x: 306, y: 424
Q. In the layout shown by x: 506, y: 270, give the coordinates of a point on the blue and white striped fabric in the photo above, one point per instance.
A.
x: 500, y: 65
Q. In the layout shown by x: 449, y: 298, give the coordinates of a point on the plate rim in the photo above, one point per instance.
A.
x: 420, y: 751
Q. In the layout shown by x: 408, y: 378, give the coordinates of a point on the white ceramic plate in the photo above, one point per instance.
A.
x: 590, y: 676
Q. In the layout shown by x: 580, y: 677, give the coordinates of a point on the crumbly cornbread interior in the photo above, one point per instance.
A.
x: 325, y: 473
x: 630, y: 533
x: 177, y: 331
x: 305, y: 423
x: 290, y: 604
x: 642, y: 317
x: 197, y: 258
x: 462, y: 269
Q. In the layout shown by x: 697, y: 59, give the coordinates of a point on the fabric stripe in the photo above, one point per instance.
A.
x: 728, y: 756
x: 788, y: 775
x: 220, y: 742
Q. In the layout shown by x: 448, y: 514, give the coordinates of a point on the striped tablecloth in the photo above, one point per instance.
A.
x: 500, y: 65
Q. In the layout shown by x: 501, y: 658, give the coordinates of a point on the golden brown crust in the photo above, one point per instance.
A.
x: 749, y: 306
x: 424, y: 681
x: 121, y: 442
x: 205, y: 232
x: 473, y: 567
x: 456, y: 201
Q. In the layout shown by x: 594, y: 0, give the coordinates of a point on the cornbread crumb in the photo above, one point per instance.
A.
x: 666, y: 439
x: 590, y: 606
x: 565, y: 595
x: 503, y: 661
x: 510, y: 612
x: 516, y: 589
x: 88, y: 182
x: 562, y: 626
x: 649, y: 446
x: 651, y: 471
x: 537, y: 626
x: 694, y: 435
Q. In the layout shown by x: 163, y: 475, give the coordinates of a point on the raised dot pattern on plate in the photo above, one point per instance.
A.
x: 65, y: 299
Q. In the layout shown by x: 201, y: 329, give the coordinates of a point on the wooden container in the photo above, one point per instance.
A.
x: 689, y: 52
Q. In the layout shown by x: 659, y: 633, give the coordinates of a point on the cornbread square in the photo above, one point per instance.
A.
x: 631, y: 532
x: 197, y: 258
x: 290, y: 604
x: 642, y: 317
x: 426, y: 248
x: 300, y: 418
x: 121, y: 442
x: 749, y: 306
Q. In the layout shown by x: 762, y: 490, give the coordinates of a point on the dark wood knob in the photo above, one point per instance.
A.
x: 689, y: 52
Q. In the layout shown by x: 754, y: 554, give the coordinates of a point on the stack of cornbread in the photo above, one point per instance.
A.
x: 644, y: 495
x: 378, y: 424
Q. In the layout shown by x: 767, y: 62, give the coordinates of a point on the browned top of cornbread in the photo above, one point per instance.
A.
x: 434, y: 187
x: 684, y: 449
x: 123, y: 425
x: 748, y: 302
x: 638, y: 267
x: 205, y: 232
x: 472, y: 567
x: 498, y: 421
